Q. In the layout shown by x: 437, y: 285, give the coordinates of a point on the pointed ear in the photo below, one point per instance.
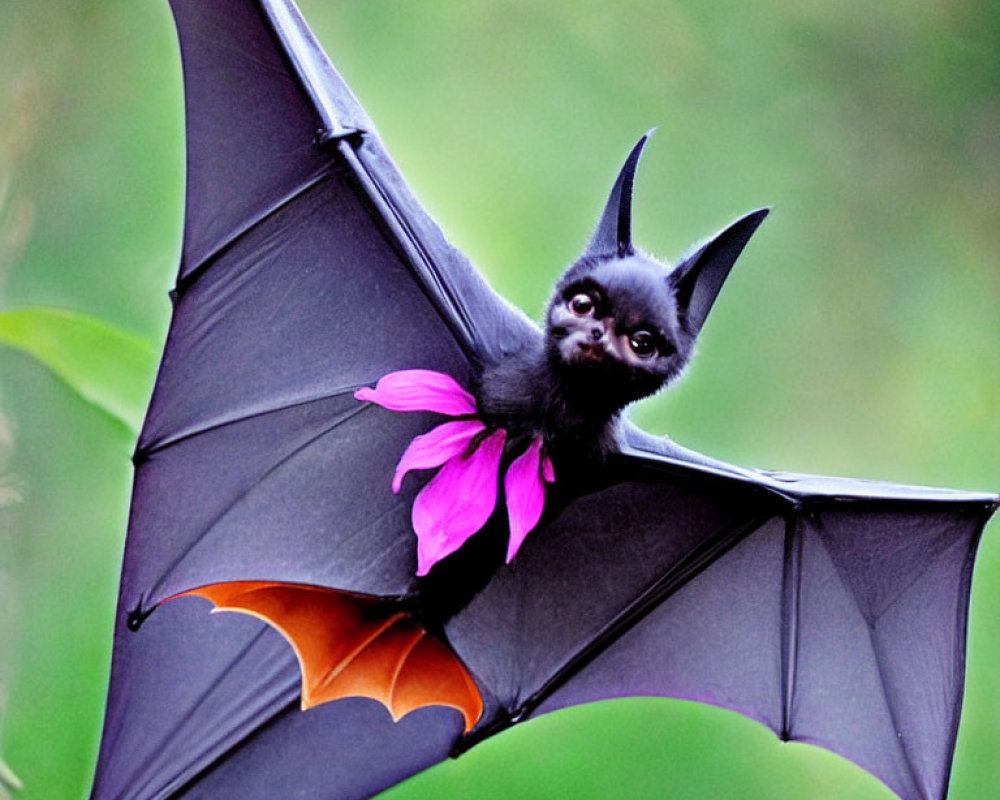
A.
x: 698, y: 278
x: 614, y: 231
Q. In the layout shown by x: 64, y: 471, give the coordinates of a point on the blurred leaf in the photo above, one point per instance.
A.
x: 108, y: 367
x: 8, y: 780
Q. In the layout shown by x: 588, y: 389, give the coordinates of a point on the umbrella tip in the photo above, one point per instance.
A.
x: 137, y: 616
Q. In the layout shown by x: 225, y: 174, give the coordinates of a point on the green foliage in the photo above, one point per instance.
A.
x: 858, y: 335
x: 8, y: 781
x: 108, y: 367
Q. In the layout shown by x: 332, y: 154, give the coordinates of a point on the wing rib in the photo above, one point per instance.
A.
x: 354, y: 646
x: 790, y: 591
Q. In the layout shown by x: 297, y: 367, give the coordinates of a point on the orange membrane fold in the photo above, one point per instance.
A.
x: 354, y: 646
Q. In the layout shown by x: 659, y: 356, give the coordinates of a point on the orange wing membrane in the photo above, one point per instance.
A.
x: 354, y: 646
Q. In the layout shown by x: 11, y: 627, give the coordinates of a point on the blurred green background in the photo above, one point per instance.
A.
x: 859, y: 334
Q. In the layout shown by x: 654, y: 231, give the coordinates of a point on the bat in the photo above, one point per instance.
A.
x: 432, y: 515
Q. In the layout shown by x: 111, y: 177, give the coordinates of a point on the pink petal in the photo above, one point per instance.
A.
x: 525, y: 493
x: 433, y: 448
x: 548, y: 471
x: 457, y: 502
x: 419, y: 390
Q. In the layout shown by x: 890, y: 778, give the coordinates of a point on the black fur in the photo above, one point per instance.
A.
x: 571, y: 384
x: 575, y: 405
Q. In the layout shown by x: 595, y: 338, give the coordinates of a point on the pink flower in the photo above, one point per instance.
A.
x: 419, y: 390
x: 525, y: 493
x: 458, y: 501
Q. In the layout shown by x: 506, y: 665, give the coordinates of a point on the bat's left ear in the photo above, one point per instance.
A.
x: 613, y: 236
x: 698, y: 278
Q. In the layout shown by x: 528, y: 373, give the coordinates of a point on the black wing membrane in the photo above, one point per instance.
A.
x: 831, y: 610
x: 308, y: 269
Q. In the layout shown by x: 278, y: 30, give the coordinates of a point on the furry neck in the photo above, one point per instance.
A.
x: 575, y: 409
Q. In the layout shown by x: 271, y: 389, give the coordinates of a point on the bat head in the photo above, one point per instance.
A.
x: 622, y: 318
x: 615, y: 322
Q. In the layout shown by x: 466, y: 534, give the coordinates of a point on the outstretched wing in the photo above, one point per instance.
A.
x: 831, y: 610
x: 308, y: 269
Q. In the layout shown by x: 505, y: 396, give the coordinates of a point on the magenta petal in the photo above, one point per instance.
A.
x: 419, y: 390
x: 457, y: 502
x: 433, y: 448
x: 548, y: 471
x: 525, y: 494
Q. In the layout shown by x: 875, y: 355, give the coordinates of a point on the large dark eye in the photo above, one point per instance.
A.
x: 582, y: 305
x: 643, y: 344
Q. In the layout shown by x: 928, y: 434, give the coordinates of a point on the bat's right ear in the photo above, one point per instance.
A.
x: 613, y: 236
x: 698, y: 278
